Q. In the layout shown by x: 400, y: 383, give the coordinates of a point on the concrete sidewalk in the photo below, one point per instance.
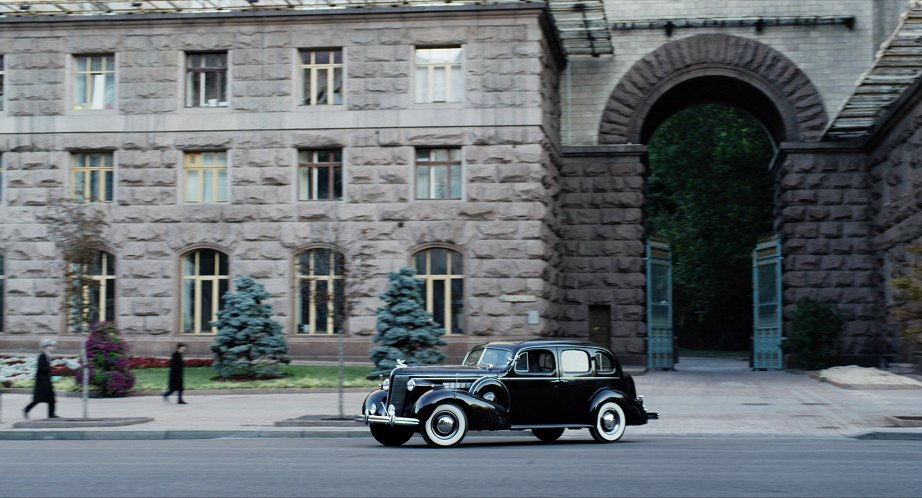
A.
x: 703, y: 397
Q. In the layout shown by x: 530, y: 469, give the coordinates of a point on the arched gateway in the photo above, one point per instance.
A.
x: 606, y: 267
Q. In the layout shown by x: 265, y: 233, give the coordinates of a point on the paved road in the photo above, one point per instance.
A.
x: 488, y: 466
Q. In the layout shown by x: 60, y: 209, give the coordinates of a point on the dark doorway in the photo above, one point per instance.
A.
x: 600, y: 325
x: 710, y: 195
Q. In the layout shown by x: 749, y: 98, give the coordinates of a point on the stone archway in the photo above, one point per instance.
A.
x: 736, y: 70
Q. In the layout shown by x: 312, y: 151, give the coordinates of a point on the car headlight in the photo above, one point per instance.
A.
x: 386, y: 384
x: 373, y: 409
x: 411, y: 385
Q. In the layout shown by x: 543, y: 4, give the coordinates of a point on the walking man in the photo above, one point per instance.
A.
x: 43, y: 391
x: 176, y: 374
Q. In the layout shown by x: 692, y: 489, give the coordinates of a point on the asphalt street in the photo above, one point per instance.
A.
x: 484, y: 466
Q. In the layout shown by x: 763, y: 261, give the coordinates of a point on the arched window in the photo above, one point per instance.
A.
x: 100, y: 293
x: 442, y: 274
x: 204, y: 283
x: 320, y: 293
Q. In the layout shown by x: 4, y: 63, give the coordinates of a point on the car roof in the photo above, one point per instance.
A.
x: 545, y: 343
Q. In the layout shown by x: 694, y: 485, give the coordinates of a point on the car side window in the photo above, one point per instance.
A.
x: 604, y: 363
x: 536, y: 361
x: 574, y: 361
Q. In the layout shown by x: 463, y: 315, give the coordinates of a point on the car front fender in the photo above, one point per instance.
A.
x: 482, y: 415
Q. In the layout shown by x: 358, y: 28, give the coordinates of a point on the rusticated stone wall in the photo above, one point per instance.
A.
x: 602, y: 206
x: 506, y: 226
x: 824, y: 221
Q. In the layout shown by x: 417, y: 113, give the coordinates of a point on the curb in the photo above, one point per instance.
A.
x: 57, y: 435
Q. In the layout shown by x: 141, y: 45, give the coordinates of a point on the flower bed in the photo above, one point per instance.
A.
x: 16, y: 368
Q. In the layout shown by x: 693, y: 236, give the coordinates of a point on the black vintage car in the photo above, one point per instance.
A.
x: 544, y: 386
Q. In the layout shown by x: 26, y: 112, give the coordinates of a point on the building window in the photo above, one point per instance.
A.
x: 320, y: 293
x: 94, y: 86
x: 322, y: 77
x: 206, y: 79
x: 100, y: 292
x: 441, y: 272
x: 204, y: 283
x: 205, y: 176
x: 438, y: 75
x: 92, y: 176
x: 2, y: 178
x: 2, y: 282
x: 320, y: 175
x: 438, y: 173
x: 2, y: 78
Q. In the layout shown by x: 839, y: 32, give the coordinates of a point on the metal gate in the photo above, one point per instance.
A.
x: 660, y: 340
x: 766, y: 306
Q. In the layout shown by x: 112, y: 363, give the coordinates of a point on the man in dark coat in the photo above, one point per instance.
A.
x: 176, y: 383
x: 44, y: 391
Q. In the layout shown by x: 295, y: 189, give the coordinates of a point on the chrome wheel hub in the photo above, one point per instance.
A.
x: 445, y: 424
x: 609, y: 421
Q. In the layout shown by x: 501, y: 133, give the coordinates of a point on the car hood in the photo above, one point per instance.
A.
x: 443, y: 371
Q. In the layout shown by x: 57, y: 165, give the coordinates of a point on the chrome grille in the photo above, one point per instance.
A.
x: 397, y: 393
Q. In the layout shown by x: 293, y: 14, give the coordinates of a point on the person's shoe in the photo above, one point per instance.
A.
x: 54, y: 416
x: 25, y: 413
x: 166, y: 398
x: 181, y: 403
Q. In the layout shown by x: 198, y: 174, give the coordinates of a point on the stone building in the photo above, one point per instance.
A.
x: 498, y: 147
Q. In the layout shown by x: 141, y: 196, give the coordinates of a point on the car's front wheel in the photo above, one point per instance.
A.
x: 446, y: 427
x: 391, y: 436
x: 609, y: 423
x: 548, y: 435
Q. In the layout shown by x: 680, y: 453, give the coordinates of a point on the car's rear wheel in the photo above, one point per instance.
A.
x: 548, y: 435
x: 446, y: 427
x: 609, y: 423
x: 391, y: 436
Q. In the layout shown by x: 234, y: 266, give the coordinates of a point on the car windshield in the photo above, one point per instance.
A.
x: 488, y: 358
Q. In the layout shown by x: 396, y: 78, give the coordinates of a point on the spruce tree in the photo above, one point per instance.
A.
x: 405, y: 329
x: 249, y: 342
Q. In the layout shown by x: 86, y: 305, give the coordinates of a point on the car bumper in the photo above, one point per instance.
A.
x: 386, y: 419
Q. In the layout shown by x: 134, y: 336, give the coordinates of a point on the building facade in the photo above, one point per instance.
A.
x: 317, y: 149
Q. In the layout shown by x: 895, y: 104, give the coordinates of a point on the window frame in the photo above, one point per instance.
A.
x: 454, y: 318
x: 105, y: 185
x: 454, y: 172
x: 309, y: 172
x: 426, y: 91
x: 309, y: 74
x: 101, y: 284
x: 2, y: 82
x: 309, y: 281
x: 200, y: 73
x: 220, y: 189
x: 86, y: 101
x: 197, y: 278
x: 2, y: 291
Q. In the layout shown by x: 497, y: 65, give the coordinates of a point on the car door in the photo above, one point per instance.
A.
x: 578, y: 383
x: 532, y: 385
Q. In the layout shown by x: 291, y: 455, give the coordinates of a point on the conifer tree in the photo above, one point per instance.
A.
x: 249, y: 342
x: 405, y: 329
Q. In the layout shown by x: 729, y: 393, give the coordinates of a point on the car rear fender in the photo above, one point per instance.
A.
x: 482, y: 415
x: 633, y: 409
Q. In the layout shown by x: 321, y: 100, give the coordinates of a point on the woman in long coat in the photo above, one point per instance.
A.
x: 44, y: 390
x: 176, y: 382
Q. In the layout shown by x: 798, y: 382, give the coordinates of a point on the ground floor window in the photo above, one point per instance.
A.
x: 320, y: 293
x: 204, y: 283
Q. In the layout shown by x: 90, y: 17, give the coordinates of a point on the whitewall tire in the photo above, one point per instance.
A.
x: 609, y: 423
x: 446, y: 427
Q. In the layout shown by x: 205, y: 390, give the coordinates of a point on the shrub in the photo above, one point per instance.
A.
x: 109, y: 368
x: 249, y: 341
x: 816, y: 333
x: 138, y: 362
x: 405, y: 329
